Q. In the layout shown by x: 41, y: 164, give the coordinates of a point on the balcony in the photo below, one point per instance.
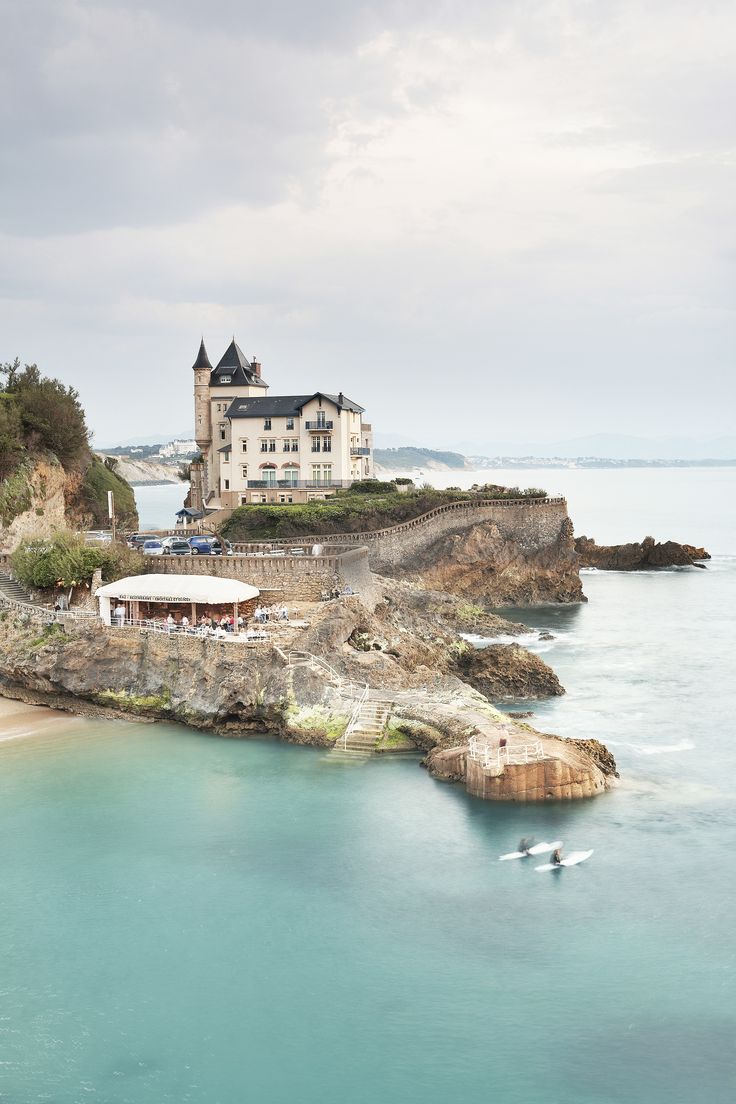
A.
x: 318, y: 426
x: 360, y: 452
x: 287, y: 484
x: 328, y: 451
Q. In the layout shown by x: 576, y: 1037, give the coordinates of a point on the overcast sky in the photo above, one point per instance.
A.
x: 483, y: 221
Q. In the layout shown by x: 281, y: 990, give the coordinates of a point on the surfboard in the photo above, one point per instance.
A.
x: 537, y: 849
x: 572, y: 859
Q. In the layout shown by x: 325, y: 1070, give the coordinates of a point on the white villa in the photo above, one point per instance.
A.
x: 261, y: 448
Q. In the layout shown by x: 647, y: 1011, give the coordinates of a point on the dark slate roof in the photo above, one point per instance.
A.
x: 202, y: 361
x: 226, y: 448
x: 285, y: 406
x: 236, y: 365
x: 189, y: 512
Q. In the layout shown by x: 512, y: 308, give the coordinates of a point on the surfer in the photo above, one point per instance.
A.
x: 525, y: 844
x: 557, y: 857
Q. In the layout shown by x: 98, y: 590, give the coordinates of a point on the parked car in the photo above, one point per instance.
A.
x: 152, y: 548
x: 137, y: 540
x: 176, y: 547
x: 97, y: 536
x: 209, y: 546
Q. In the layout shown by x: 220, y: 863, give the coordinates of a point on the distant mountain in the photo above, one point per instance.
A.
x: 407, y: 459
x: 609, y: 446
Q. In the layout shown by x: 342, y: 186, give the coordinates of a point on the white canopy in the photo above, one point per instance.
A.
x: 204, y: 589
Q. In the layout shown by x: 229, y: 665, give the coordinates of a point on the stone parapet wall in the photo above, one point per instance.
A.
x: 300, y: 578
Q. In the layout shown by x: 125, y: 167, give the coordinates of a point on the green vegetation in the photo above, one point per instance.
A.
x: 49, y: 634
x: 98, y: 480
x: 40, y: 413
x: 406, y: 458
x: 65, y: 560
x: 373, y: 506
x: 135, y: 703
x: 16, y: 494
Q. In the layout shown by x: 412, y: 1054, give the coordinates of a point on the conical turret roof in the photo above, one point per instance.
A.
x: 233, y: 357
x: 202, y: 361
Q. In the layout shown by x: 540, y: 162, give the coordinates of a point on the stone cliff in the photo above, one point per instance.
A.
x: 487, y: 565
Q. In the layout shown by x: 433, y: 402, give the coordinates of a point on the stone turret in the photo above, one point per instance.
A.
x: 202, y: 417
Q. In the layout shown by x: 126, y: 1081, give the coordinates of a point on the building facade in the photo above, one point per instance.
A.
x: 260, y: 448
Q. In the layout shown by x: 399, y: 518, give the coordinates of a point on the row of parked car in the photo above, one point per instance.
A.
x: 179, y: 546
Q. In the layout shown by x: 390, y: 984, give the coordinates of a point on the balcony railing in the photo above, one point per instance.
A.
x: 287, y: 484
x: 327, y: 450
x: 360, y: 452
x: 317, y: 427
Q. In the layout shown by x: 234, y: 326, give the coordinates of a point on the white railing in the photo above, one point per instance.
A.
x: 248, y: 636
x: 354, y: 718
x: 492, y: 756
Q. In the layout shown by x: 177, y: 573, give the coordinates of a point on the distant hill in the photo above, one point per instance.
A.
x: 408, y: 459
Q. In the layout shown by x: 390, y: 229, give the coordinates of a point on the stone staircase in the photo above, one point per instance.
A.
x: 12, y: 590
x: 366, y: 727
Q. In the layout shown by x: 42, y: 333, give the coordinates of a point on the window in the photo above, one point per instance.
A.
x: 244, y: 471
x: 322, y: 473
x: 264, y: 446
x: 321, y: 419
x: 269, y: 477
x: 327, y: 444
x: 222, y: 431
x: 266, y: 423
x: 243, y: 500
x: 285, y: 498
x: 227, y: 484
x: 244, y: 446
x: 225, y: 379
x: 295, y: 445
x: 272, y: 445
x: 290, y: 476
x: 285, y: 447
x: 316, y: 445
x: 289, y: 423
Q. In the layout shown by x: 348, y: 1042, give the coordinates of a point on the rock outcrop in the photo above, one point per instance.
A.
x: 484, y: 566
x: 507, y: 672
x: 637, y: 555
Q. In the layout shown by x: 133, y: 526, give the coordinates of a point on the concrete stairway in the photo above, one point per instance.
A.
x: 366, y: 728
x: 13, y: 590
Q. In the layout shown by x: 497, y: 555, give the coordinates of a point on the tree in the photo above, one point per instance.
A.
x: 11, y: 436
x: 50, y: 413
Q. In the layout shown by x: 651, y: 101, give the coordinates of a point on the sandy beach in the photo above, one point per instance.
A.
x: 17, y: 720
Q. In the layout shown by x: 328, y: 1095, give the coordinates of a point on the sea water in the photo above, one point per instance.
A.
x: 187, y: 918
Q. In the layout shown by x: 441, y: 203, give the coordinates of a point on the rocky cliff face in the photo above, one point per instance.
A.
x: 637, y: 555
x: 40, y: 503
x: 485, y: 566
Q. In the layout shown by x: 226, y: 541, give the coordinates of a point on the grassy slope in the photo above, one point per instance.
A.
x: 345, y: 513
x: 98, y: 480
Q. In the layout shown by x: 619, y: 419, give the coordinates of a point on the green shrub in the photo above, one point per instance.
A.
x: 65, y: 560
x: 371, y: 487
x: 16, y: 494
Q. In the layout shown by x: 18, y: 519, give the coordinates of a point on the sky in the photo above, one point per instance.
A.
x: 484, y: 221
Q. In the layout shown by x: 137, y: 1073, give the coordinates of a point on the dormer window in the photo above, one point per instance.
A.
x: 225, y: 379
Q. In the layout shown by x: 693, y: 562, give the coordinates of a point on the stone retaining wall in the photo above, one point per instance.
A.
x: 533, y: 523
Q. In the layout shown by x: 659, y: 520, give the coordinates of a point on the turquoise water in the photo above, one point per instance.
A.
x: 193, y: 919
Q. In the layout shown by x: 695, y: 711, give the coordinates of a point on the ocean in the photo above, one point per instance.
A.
x: 193, y: 919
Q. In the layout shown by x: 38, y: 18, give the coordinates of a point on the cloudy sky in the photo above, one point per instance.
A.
x: 482, y: 220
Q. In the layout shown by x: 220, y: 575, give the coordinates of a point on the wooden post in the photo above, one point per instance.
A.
x: 235, y: 617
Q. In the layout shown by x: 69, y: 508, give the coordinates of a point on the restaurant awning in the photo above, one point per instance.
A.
x: 202, y: 589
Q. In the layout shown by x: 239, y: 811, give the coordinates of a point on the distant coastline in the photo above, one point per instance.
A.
x: 410, y: 459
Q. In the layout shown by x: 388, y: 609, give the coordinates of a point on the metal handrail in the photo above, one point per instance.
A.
x: 354, y: 716
x: 250, y: 636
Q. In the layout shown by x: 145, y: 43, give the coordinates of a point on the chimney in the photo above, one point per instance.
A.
x: 256, y: 366
x: 340, y: 399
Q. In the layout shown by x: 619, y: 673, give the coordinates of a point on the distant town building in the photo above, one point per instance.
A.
x: 177, y: 449
x: 260, y: 448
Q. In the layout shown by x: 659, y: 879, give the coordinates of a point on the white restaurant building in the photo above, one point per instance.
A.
x: 259, y: 448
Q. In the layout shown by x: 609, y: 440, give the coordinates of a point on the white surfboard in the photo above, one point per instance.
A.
x: 537, y: 849
x: 572, y: 859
